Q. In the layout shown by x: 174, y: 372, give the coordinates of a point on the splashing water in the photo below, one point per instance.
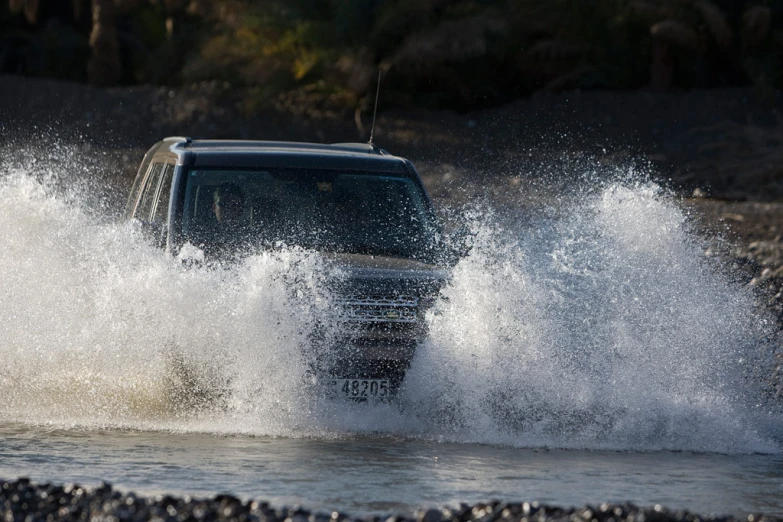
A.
x: 602, y: 327
x: 605, y: 328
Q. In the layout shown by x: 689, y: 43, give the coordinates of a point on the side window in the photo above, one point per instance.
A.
x: 162, y: 203
x: 141, y: 174
x: 133, y: 197
x: 144, y: 209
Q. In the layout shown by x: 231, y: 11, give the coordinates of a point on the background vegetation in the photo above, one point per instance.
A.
x: 457, y: 54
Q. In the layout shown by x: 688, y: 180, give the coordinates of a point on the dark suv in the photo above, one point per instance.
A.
x: 363, y: 209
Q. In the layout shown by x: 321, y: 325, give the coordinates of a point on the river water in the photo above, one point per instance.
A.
x: 586, y: 351
x: 378, y: 475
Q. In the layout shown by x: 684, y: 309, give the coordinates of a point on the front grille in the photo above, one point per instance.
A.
x: 380, y: 309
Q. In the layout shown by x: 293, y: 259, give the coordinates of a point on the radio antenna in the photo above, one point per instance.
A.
x: 375, y: 110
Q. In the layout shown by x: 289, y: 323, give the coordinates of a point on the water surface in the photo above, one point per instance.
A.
x: 381, y: 475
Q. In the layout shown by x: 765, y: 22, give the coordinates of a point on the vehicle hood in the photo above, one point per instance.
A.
x: 381, y: 273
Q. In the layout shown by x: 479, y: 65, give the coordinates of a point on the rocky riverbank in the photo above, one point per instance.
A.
x: 752, y: 233
x: 22, y: 500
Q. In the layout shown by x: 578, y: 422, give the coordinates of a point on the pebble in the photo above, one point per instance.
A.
x: 24, y: 501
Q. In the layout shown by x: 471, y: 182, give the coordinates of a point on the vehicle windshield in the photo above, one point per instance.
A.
x: 326, y: 210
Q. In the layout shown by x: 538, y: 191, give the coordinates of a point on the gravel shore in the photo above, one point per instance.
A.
x: 22, y: 500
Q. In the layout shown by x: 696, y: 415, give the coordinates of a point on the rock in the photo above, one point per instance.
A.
x: 430, y: 515
x: 25, y: 500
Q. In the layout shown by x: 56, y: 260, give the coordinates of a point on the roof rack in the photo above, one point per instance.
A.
x: 186, y: 142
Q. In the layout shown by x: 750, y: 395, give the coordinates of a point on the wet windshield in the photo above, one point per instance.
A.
x: 333, y: 211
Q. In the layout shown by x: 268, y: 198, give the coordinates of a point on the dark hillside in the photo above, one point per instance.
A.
x: 437, y: 54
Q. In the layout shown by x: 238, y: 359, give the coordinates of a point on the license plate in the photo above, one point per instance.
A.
x: 362, y: 388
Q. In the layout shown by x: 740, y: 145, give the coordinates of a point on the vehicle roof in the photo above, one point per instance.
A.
x: 248, y: 153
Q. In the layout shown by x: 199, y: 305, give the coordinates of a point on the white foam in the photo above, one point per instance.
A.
x: 603, y: 328
x: 607, y: 328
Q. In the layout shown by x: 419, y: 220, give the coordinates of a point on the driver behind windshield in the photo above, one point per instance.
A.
x: 228, y: 205
x: 229, y: 229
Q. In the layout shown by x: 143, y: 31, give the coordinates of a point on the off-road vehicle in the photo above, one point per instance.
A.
x: 363, y: 209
